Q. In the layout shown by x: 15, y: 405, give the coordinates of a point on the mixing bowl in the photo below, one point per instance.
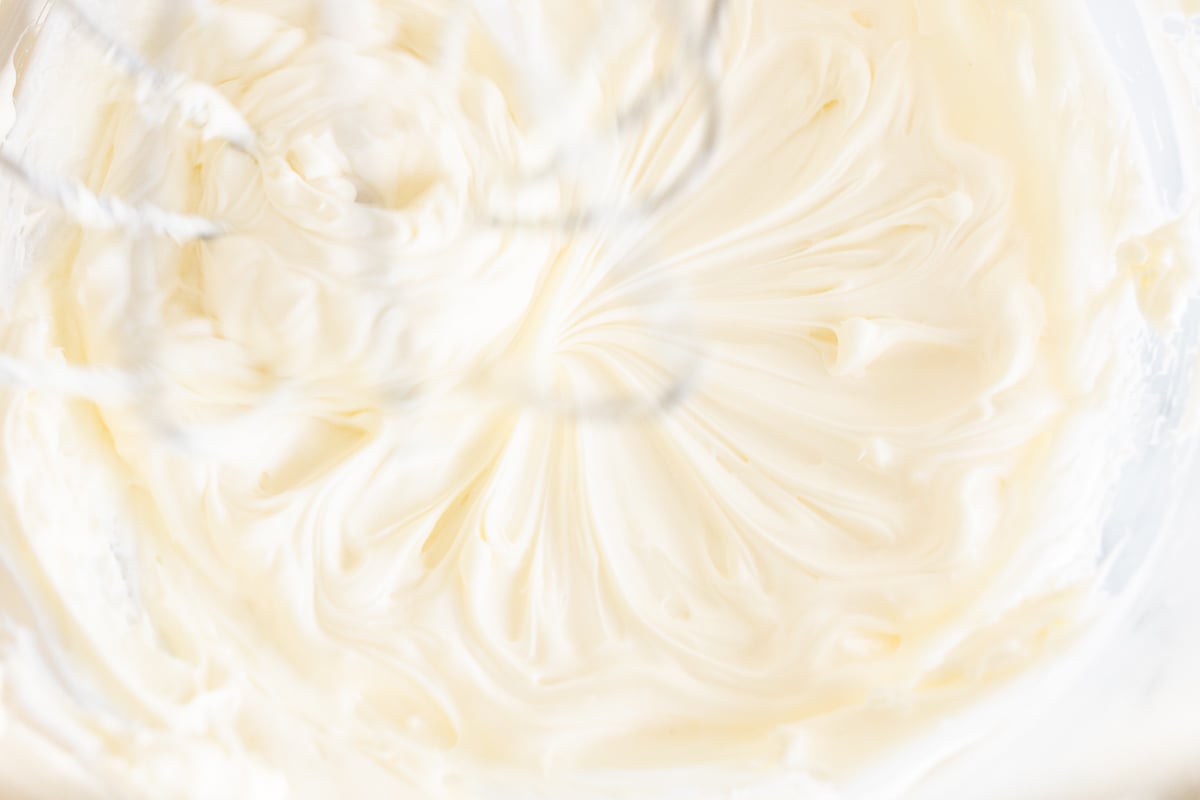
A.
x: 1118, y: 714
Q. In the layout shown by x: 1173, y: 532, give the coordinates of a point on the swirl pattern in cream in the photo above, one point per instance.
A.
x: 412, y: 501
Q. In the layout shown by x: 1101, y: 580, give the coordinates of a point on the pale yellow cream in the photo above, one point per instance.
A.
x: 400, y: 483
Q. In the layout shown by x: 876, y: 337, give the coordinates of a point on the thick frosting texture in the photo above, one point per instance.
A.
x: 405, y: 485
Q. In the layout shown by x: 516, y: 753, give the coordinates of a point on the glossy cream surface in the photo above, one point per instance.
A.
x: 452, y: 440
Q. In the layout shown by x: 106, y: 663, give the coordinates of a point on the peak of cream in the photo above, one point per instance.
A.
x: 893, y: 316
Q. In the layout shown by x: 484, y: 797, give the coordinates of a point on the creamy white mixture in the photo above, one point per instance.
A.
x: 447, y: 435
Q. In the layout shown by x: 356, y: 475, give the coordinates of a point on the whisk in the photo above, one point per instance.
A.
x: 212, y: 116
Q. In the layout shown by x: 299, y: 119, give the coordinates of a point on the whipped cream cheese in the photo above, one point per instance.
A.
x: 474, y: 443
